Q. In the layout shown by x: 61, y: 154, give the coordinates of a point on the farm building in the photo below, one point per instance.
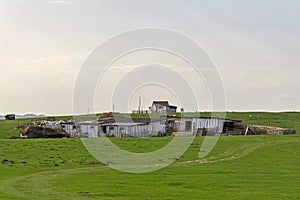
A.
x: 119, y: 126
x: 206, y: 126
x: 146, y: 127
x: 120, y: 129
x: 162, y: 107
x: 111, y: 127
x: 131, y: 127
x: 82, y: 128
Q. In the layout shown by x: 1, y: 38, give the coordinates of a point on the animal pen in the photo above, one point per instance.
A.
x: 146, y: 127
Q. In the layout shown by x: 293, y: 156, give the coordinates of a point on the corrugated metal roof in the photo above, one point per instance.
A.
x: 128, y: 120
x: 122, y: 124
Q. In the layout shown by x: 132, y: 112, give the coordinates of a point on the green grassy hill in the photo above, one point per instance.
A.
x: 239, y: 167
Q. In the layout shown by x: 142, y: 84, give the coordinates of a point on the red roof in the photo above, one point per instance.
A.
x: 162, y: 103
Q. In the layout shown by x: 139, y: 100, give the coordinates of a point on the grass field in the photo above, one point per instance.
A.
x: 239, y: 167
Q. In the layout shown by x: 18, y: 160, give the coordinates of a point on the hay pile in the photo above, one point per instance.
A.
x: 43, y: 132
x: 269, y: 130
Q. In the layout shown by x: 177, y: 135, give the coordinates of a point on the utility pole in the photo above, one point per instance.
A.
x: 139, y: 110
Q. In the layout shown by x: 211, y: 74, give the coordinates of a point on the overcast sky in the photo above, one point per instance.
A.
x: 254, y: 44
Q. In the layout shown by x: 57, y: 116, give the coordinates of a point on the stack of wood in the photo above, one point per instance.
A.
x: 32, y: 131
x: 269, y: 130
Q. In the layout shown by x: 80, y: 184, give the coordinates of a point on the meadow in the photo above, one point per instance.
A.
x: 239, y: 167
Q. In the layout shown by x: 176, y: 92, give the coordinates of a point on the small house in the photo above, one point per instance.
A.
x: 161, y: 107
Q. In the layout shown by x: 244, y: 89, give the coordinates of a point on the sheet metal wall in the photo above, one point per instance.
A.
x: 141, y: 130
x: 214, y: 123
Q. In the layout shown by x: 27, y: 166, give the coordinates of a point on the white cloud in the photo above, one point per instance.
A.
x: 39, y: 85
x: 59, y: 2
